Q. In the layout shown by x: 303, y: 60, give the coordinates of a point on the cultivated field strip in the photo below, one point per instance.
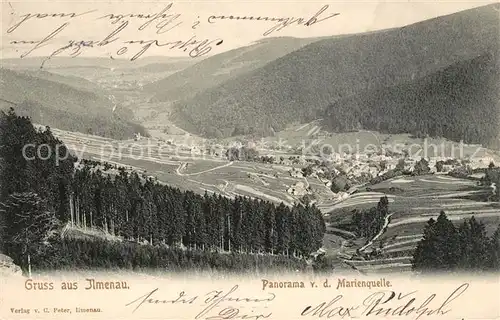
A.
x: 413, y: 202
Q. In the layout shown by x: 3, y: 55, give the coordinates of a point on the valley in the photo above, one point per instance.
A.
x: 395, y: 125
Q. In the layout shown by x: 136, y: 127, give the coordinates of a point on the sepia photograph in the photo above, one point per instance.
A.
x: 249, y: 138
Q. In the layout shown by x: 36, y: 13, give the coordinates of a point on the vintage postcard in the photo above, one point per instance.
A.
x: 250, y: 160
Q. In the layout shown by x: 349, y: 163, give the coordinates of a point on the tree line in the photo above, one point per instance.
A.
x: 45, y: 194
x: 446, y: 248
x: 114, y: 125
x: 94, y: 254
x: 142, y: 209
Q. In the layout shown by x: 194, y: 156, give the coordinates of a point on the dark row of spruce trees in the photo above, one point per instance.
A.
x: 448, y: 248
x: 38, y: 197
x: 145, y: 210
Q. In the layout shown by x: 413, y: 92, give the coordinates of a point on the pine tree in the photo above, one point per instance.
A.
x: 28, y: 224
x: 425, y: 257
x: 473, y: 245
x: 467, y: 248
x: 211, y: 221
x: 439, y: 250
x: 190, y: 234
x: 271, y: 232
x: 494, y: 250
x: 284, y: 229
x: 258, y: 229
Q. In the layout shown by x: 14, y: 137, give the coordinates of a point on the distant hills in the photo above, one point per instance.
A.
x: 103, y: 73
x: 72, y: 81
x: 89, y: 62
x: 57, y: 104
x: 371, y: 73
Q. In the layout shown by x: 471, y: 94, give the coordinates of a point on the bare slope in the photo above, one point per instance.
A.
x: 215, y: 70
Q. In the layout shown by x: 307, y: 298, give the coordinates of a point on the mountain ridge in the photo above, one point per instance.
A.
x: 61, y: 105
x: 302, y: 84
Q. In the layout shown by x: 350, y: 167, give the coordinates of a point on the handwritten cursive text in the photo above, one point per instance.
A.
x: 216, y: 304
x: 282, y: 22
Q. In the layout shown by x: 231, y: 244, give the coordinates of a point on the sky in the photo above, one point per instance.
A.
x: 186, y: 26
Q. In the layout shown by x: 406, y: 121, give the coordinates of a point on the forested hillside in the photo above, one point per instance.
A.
x: 459, y: 102
x: 64, y: 106
x: 301, y: 85
x: 38, y: 197
x: 67, y: 80
x: 114, y: 126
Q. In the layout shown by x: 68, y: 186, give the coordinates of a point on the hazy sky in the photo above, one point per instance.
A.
x: 179, y: 23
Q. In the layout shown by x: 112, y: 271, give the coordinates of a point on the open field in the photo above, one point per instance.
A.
x: 179, y: 166
x: 412, y: 202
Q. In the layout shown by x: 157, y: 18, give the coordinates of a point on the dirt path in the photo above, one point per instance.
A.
x: 402, y: 243
x: 182, y: 166
x: 381, y: 232
x: 261, y: 195
x: 302, y: 127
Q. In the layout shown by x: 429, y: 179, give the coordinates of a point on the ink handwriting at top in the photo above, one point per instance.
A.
x: 282, y: 22
x: 121, y: 43
x: 197, y: 48
x: 212, y: 304
x: 125, y: 47
x: 165, y: 21
x: 28, y: 16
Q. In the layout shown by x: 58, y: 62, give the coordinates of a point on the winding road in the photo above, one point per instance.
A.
x: 183, y: 165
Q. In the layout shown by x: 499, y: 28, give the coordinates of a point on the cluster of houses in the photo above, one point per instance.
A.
x: 365, y: 165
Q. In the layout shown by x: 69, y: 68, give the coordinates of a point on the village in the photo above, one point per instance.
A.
x: 343, y: 173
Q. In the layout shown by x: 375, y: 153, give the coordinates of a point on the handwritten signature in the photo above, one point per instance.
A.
x: 214, y: 303
x: 385, y: 304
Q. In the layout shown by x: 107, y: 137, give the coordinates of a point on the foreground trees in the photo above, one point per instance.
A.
x: 28, y: 222
x: 42, y: 192
x: 98, y: 254
x: 447, y: 248
x: 138, y: 210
